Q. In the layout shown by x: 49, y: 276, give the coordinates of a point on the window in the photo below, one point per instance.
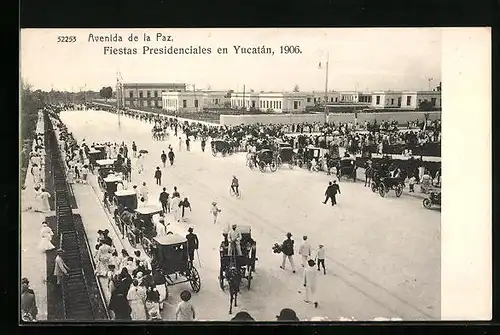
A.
x: 131, y: 94
x: 140, y: 94
x: 392, y: 101
x: 148, y: 94
x: 378, y: 100
x: 184, y: 103
x: 196, y: 104
x: 295, y: 105
x: 408, y: 101
x: 253, y: 103
x: 156, y: 94
x: 217, y: 101
x: 308, y: 99
x: 279, y: 105
x: 267, y: 103
x: 331, y: 99
x: 337, y: 99
x: 433, y: 101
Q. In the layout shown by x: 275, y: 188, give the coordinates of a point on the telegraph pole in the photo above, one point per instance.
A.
x: 326, y: 86
x: 117, y: 100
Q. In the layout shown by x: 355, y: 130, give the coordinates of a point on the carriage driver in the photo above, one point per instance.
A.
x: 235, y: 185
x: 234, y: 235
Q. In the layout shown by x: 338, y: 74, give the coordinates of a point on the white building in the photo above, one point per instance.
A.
x: 412, y: 100
x: 319, y: 97
x: 187, y: 101
x: 215, y: 99
x: 244, y: 100
x: 386, y: 99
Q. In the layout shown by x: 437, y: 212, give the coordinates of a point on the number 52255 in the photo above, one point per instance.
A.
x: 66, y: 39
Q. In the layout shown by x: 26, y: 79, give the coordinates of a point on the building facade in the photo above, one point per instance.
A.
x: 412, y: 100
x: 215, y: 99
x: 184, y: 101
x: 386, y: 99
x: 148, y: 94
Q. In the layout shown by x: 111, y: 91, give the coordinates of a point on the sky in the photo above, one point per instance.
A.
x: 359, y: 58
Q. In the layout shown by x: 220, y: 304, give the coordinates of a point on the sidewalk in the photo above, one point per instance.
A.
x: 33, y: 260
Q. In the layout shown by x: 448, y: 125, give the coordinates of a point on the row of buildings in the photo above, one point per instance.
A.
x: 176, y: 97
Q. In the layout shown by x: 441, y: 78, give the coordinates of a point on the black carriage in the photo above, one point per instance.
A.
x: 266, y: 157
x: 309, y: 153
x: 110, y: 185
x: 125, y: 203
x: 95, y: 155
x: 220, y: 146
x: 288, y: 156
x: 384, y: 183
x: 244, y: 263
x: 434, y: 198
x: 347, y: 168
x: 104, y: 167
x: 170, y: 262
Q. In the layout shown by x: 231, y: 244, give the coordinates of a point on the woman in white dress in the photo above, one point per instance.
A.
x: 44, y: 195
x: 103, y: 259
x: 175, y: 208
x: 137, y: 297
x: 46, y: 234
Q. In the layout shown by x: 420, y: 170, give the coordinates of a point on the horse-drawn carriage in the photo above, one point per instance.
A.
x: 265, y: 158
x: 125, y: 202
x: 233, y: 267
x: 109, y: 185
x: 346, y: 168
x: 287, y: 155
x: 170, y: 262
x: 141, y: 229
x: 383, y: 183
x: 94, y: 155
x: 308, y: 154
x: 434, y: 198
x: 220, y: 146
x: 104, y: 167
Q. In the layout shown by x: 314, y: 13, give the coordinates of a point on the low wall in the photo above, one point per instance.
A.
x: 400, y: 117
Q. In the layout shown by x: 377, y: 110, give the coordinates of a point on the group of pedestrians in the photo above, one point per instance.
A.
x: 307, y: 262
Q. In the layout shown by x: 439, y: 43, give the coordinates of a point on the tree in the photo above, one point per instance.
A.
x: 296, y: 88
x: 106, y: 92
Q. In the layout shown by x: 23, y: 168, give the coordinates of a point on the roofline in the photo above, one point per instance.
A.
x: 154, y: 85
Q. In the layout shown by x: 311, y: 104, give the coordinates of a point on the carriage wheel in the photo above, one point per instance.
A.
x: 398, y: 190
x: 427, y: 203
x: 262, y: 166
x: 279, y: 162
x: 195, y: 280
x: 374, y: 187
x: 249, y: 277
x: 273, y: 166
x: 381, y: 190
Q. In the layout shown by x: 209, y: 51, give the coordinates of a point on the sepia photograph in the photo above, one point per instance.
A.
x: 239, y: 174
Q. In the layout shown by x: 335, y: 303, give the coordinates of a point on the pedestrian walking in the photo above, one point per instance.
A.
x: 46, y: 234
x: 158, y: 176
x: 163, y: 158
x: 85, y: 172
x: 175, y: 206
x: 60, y: 268
x: 320, y: 257
x: 161, y: 229
x: 331, y: 192
x: 310, y: 283
x: 171, y: 157
x: 136, y: 297
x: 140, y: 163
x: 164, y: 200
x: 180, y: 144
x: 192, y: 244
x: 183, y: 205
x: 45, y: 196
x: 185, y: 310
x: 305, y: 251
x: 187, y: 143
x: 29, y: 310
x: 287, y: 250
x: 144, y: 192
x: 215, y: 211
x: 176, y: 194
x: 134, y: 149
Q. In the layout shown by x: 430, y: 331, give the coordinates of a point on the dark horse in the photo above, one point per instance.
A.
x: 233, y: 276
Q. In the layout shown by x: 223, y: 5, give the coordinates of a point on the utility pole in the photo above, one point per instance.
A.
x: 326, y: 86
x: 244, y: 103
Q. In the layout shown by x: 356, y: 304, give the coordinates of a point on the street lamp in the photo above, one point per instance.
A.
x: 326, y: 84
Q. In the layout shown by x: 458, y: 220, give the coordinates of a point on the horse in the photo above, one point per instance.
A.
x: 233, y: 276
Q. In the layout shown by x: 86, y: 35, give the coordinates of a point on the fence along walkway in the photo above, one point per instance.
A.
x: 77, y: 300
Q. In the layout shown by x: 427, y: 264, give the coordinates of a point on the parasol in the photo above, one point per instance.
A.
x: 143, y: 151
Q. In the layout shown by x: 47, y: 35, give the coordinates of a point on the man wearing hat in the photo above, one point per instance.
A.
x: 192, y: 243
x: 234, y: 236
x: 215, y: 211
x: 60, y: 268
x: 331, y: 191
x: 287, y: 250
